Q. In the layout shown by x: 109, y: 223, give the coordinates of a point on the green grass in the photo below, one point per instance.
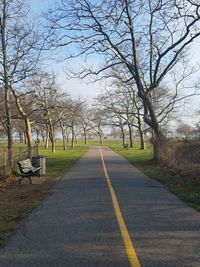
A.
x: 61, y: 161
x: 186, y: 187
x: 18, y: 200
x: 58, y: 162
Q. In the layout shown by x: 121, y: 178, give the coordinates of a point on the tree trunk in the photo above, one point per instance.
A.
x: 142, y: 140
x: 130, y: 136
x: 151, y: 119
x: 38, y: 136
x: 29, y: 137
x: 52, y: 138
x: 25, y: 140
x: 53, y: 147
x: 100, y: 139
x: 9, y: 133
x: 141, y: 132
x: 64, y: 141
x: 47, y: 140
x: 85, y: 137
x: 43, y: 136
x: 21, y: 137
x: 64, y: 136
x: 158, y: 139
x: 7, y: 90
x: 123, y: 135
x: 73, y: 138
x: 67, y: 135
x: 26, y: 120
x: 51, y: 133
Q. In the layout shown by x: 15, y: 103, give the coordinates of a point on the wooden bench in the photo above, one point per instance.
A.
x: 125, y: 146
x: 27, y: 170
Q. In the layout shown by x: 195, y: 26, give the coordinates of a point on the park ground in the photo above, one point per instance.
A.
x: 17, y: 201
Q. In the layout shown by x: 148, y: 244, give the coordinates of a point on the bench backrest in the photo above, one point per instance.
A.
x: 25, y: 164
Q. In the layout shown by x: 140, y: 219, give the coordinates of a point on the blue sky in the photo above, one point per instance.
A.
x: 39, y: 4
x: 75, y: 87
x: 80, y: 88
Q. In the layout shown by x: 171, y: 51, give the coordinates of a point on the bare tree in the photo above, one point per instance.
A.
x: 97, y: 122
x: 40, y: 125
x: 19, y: 128
x: 125, y: 108
x: 123, y: 100
x: 197, y: 130
x: 47, y: 96
x: 63, y: 110
x: 24, y: 104
x: 73, y: 119
x: 184, y: 130
x: 85, y: 122
x: 5, y: 13
x: 116, y: 120
x: 19, y: 56
x: 148, y: 38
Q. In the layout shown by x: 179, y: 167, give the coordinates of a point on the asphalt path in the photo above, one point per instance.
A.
x: 77, y: 224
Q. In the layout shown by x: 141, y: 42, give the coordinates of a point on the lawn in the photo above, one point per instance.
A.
x: 186, y: 187
x: 61, y: 161
x: 18, y: 200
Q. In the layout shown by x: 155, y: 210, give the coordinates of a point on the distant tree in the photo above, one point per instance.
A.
x: 197, y: 130
x: 184, y: 130
x: 196, y: 127
x: 97, y: 122
x: 47, y: 97
x: 37, y: 130
x: 124, y: 108
x: 85, y: 122
x: 73, y: 119
x: 63, y: 110
x: 19, y: 128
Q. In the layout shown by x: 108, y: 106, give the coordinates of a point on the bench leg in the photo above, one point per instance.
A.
x: 29, y: 177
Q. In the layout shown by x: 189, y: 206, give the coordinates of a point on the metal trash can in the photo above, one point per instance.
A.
x: 40, y: 161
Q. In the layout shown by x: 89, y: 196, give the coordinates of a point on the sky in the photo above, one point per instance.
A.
x: 76, y: 88
x: 38, y: 5
x: 79, y: 88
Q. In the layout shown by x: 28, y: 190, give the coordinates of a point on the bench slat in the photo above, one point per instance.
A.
x: 25, y: 164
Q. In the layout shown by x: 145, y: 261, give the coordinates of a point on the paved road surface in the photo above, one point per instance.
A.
x: 77, y: 226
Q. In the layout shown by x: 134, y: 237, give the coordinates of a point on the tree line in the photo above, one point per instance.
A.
x: 143, y: 50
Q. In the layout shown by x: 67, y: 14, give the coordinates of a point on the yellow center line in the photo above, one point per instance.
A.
x: 131, y: 253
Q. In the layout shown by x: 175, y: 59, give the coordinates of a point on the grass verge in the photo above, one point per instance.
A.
x: 186, y: 187
x: 18, y: 200
x: 15, y: 202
